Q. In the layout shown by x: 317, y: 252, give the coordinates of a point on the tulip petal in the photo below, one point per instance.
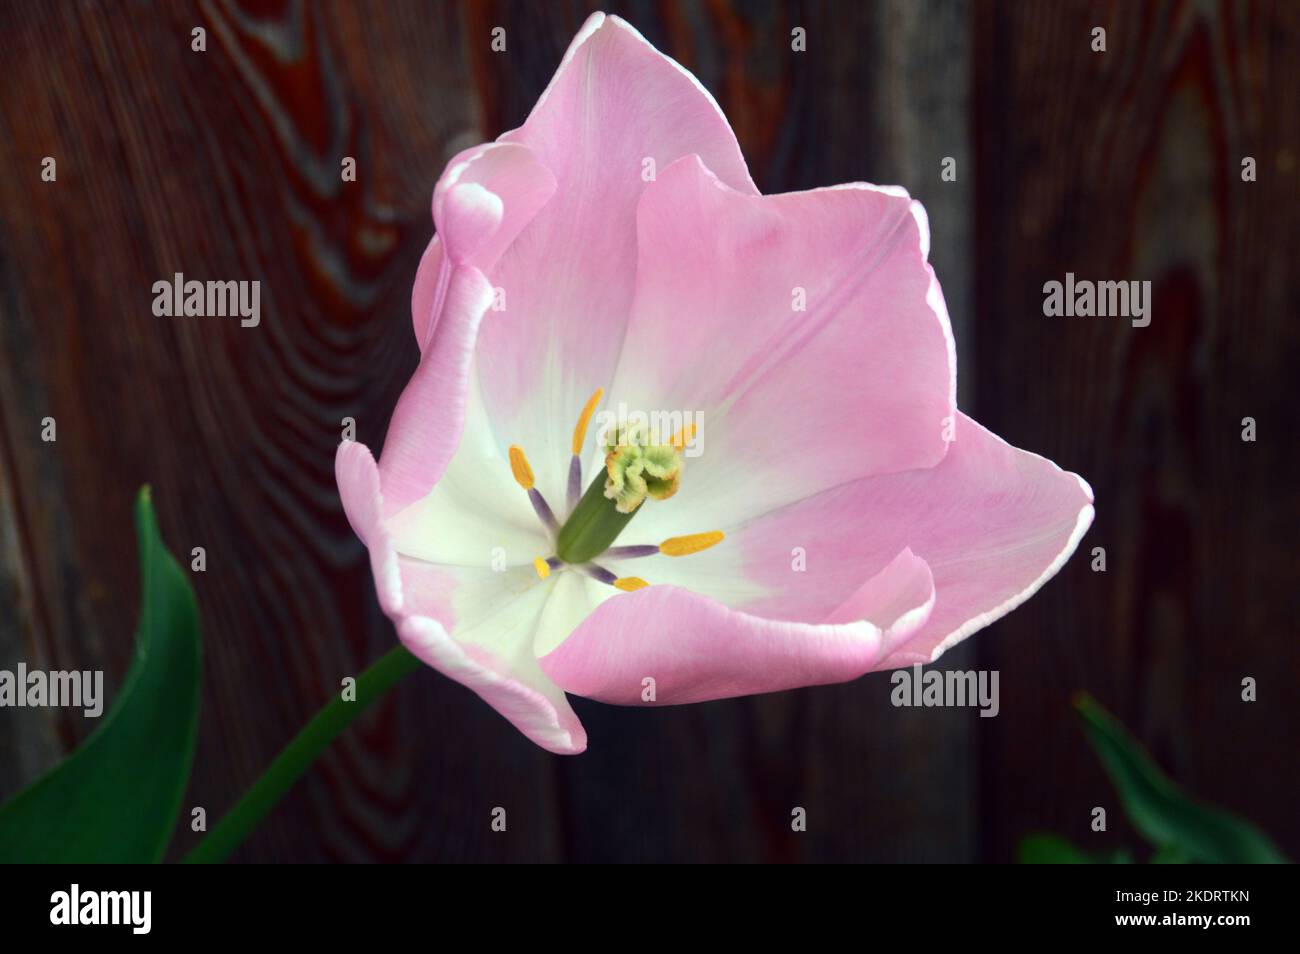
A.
x: 793, y: 401
x: 363, y: 502
x: 496, y: 615
x: 945, y: 551
x: 492, y: 651
x: 998, y: 522
x: 430, y: 415
x: 991, y: 521
x: 695, y: 648
x: 476, y: 515
x: 545, y: 717
x: 482, y: 201
x: 615, y: 101
x: 615, y: 105
x: 430, y: 286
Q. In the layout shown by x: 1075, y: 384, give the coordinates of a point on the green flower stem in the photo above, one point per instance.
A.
x: 592, y: 527
x: 298, y: 755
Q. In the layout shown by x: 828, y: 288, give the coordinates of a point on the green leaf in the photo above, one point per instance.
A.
x: 1044, y: 848
x: 116, y: 798
x: 1178, y: 826
x: 1047, y: 849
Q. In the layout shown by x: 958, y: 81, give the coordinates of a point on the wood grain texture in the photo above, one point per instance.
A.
x: 1127, y: 165
x: 225, y: 164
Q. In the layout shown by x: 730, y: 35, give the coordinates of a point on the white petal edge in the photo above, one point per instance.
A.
x: 1081, y: 524
x: 521, y: 706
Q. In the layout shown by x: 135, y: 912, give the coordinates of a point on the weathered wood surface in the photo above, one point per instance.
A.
x: 225, y: 165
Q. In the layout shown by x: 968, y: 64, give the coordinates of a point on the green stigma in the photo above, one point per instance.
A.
x: 636, y: 469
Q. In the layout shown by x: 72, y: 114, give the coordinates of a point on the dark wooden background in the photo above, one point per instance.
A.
x: 225, y: 164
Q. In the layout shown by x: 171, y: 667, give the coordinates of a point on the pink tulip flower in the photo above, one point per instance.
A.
x: 826, y: 513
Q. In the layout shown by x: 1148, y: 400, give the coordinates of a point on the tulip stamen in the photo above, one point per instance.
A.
x: 673, y: 546
x: 520, y: 468
x: 691, y: 543
x: 632, y: 552
x: 599, y: 573
x: 523, y: 474
x: 625, y: 583
x: 579, y: 439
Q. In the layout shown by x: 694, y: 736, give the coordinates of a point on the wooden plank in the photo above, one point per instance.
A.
x: 1127, y: 165
x: 225, y: 164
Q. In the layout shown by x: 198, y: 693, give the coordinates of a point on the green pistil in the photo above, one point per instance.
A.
x: 594, y: 524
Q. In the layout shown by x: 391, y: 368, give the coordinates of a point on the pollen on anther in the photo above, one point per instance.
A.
x: 630, y: 583
x: 584, y: 420
x: 542, y: 567
x: 692, y: 543
x: 519, y: 467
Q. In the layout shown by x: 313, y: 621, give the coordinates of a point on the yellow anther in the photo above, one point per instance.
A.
x: 542, y: 567
x: 580, y: 430
x: 683, y: 437
x: 692, y: 543
x: 519, y: 467
x: 630, y: 583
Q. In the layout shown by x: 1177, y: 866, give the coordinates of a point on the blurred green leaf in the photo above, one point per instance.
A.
x: 116, y: 798
x: 1178, y: 826
x: 1046, y: 849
